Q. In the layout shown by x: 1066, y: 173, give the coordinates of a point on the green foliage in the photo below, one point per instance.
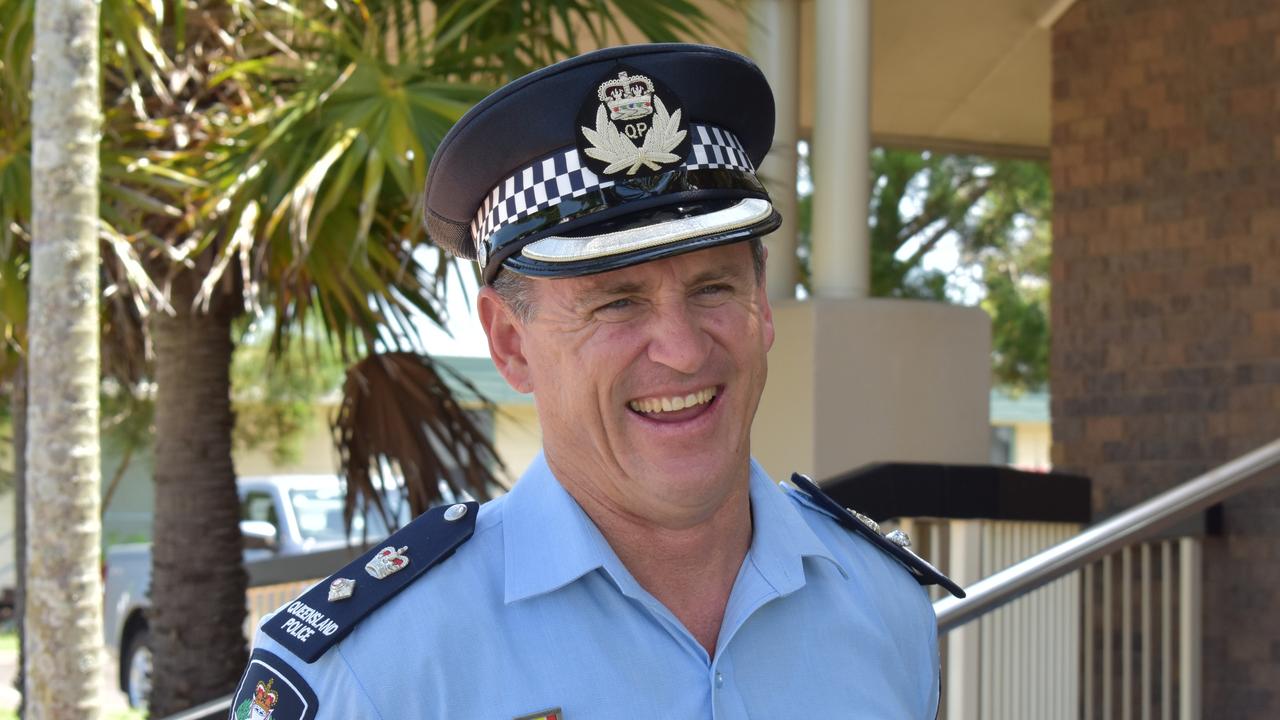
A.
x: 275, y: 395
x: 6, y: 451
x: 13, y: 304
x: 1018, y: 302
x: 997, y: 212
x: 128, y: 414
x: 126, y: 423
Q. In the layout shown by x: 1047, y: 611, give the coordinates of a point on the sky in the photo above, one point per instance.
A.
x: 467, y: 338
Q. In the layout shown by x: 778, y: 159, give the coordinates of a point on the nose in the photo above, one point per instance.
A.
x: 678, y: 340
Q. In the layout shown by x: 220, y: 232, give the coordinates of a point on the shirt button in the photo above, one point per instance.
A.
x: 719, y: 680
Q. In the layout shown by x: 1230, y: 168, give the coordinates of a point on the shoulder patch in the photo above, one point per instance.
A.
x: 920, y: 569
x: 270, y: 685
x: 327, y: 613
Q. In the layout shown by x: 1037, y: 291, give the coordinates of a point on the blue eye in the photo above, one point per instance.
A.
x: 619, y: 304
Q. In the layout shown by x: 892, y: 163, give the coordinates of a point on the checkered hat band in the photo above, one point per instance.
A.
x: 561, y: 175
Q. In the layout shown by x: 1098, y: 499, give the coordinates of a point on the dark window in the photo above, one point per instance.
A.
x: 259, y: 505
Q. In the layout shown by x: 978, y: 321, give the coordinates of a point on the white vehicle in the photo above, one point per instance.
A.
x: 280, y: 516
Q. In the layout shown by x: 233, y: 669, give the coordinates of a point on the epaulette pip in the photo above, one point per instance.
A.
x: 325, y: 614
x: 895, y: 543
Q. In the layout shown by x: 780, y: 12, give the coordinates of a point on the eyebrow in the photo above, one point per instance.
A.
x: 726, y: 271
x: 607, y: 290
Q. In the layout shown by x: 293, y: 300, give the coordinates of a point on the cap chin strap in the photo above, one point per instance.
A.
x: 556, y: 249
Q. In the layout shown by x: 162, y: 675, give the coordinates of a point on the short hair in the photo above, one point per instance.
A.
x: 516, y: 290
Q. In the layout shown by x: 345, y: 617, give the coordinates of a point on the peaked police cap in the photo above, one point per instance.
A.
x: 605, y: 160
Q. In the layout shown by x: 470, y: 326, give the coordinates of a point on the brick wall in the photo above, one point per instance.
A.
x: 1166, y: 287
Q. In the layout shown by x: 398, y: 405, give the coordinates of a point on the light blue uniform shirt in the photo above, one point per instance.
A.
x: 537, y: 612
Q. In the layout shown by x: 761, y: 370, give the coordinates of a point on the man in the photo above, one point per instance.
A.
x: 644, y: 565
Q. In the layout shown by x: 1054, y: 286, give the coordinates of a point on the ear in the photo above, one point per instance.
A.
x: 506, y: 339
x: 766, y: 310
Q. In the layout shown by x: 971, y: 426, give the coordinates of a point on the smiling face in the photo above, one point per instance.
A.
x: 646, y: 379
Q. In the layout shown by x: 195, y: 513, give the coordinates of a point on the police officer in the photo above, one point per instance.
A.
x: 644, y: 565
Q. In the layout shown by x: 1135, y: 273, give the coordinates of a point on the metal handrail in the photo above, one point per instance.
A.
x: 214, y: 708
x: 1142, y: 522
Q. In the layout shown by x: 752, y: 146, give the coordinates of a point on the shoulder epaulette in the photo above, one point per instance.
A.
x: 895, y: 543
x: 327, y: 613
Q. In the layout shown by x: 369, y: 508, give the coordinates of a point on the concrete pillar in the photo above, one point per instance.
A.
x: 774, y: 41
x: 841, y: 258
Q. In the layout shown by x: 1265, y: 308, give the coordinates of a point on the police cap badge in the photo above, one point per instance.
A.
x: 612, y: 158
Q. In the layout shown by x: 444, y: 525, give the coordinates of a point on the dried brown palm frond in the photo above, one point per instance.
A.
x: 398, y: 415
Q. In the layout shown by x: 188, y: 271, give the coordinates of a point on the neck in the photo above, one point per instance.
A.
x: 689, y: 567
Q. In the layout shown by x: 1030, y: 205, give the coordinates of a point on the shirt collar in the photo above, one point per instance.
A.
x: 549, y: 541
x: 781, y: 538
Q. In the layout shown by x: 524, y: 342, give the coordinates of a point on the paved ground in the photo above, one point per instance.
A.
x: 112, y: 699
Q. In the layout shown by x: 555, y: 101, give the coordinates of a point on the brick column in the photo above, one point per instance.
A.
x: 1166, y: 288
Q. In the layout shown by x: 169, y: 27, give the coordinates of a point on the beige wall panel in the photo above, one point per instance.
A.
x: 1031, y: 443
x: 854, y: 382
x: 901, y: 380
x: 518, y: 437
x: 782, y: 437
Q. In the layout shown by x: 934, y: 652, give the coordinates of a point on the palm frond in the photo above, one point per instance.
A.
x: 399, y: 421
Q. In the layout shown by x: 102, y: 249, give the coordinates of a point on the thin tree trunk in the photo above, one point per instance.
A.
x: 18, y: 407
x: 64, y: 630
x: 197, y: 582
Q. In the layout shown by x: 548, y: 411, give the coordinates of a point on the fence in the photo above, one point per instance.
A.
x: 1115, y: 640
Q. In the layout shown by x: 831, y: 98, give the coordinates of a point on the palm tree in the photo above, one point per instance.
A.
x: 64, y: 630
x: 270, y: 159
x: 126, y: 290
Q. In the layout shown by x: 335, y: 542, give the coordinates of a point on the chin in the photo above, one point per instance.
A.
x: 687, y: 471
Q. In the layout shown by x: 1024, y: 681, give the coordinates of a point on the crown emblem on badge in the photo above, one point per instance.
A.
x: 388, y: 561
x: 616, y: 146
x: 628, y: 97
x: 264, y: 697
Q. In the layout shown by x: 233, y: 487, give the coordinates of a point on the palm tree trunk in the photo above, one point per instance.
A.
x: 64, y: 630
x: 18, y: 411
x: 197, y: 581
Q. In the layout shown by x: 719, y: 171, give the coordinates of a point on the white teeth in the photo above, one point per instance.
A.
x: 672, y: 404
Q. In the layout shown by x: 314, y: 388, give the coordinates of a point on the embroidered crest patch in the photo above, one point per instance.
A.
x: 271, y: 690
x: 632, y: 126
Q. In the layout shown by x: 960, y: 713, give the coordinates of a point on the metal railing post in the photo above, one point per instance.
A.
x: 1189, y: 628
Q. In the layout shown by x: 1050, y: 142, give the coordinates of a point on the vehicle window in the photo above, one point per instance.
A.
x: 258, y: 505
x: 319, y: 516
